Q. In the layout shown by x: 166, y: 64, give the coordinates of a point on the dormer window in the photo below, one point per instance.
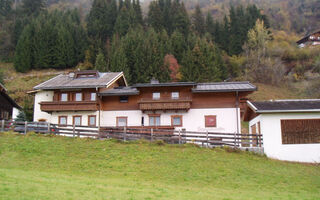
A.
x: 86, y: 74
x: 64, y: 97
x: 79, y: 96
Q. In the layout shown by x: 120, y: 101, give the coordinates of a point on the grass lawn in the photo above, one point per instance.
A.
x: 43, y: 167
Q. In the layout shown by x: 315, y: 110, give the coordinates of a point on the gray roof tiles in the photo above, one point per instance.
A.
x: 64, y: 81
x: 294, y: 105
x: 224, y: 87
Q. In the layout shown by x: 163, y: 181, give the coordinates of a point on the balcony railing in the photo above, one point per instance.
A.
x: 165, y: 104
x: 68, y: 106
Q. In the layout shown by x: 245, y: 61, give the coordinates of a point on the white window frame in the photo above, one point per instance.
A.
x: 156, y: 95
x: 93, y: 96
x: 64, y: 97
x: 77, y: 96
x: 175, y: 95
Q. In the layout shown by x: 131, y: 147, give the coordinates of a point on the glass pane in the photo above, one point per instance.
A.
x: 175, y: 95
x: 151, y: 121
x: 157, y: 121
x: 93, y: 96
x: 92, y: 121
x: 78, y: 96
x: 122, y: 121
x: 156, y: 95
x: 176, y: 121
x: 63, y: 120
x: 64, y: 97
x: 77, y: 121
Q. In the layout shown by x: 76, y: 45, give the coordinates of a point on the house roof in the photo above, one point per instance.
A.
x: 306, y: 37
x: 157, y: 84
x: 119, y: 91
x: 3, y: 92
x: 284, y: 106
x: 2, y: 87
x: 68, y: 81
x: 224, y: 87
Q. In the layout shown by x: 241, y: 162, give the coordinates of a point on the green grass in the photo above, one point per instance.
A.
x: 39, y: 167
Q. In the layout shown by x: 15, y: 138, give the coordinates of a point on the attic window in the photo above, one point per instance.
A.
x: 86, y: 74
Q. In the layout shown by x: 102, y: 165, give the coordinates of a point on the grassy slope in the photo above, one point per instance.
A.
x: 20, y: 83
x: 34, y: 167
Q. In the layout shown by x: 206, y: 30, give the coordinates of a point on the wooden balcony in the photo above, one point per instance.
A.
x: 68, y: 106
x: 165, y: 104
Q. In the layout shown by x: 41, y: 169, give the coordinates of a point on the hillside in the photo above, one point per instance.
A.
x: 38, y: 167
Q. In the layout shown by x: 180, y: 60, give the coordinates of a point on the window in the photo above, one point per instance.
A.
x: 91, y: 120
x: 62, y: 120
x: 156, y: 95
x: 78, y: 96
x: 142, y: 121
x: 122, y: 121
x: 93, y: 97
x: 176, y: 120
x: 64, y: 97
x: 300, y: 131
x: 77, y: 120
x: 124, y: 99
x: 154, y: 120
x: 210, y: 120
x: 175, y: 95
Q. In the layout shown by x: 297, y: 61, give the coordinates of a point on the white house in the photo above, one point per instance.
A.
x: 290, y: 128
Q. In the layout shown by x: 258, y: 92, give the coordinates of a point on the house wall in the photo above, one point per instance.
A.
x: 193, y: 120
x: 272, y: 140
x: 84, y: 117
x: 39, y: 97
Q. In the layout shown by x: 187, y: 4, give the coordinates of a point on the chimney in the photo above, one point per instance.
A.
x: 154, y: 81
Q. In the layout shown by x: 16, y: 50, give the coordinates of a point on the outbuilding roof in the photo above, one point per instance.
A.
x: 291, y: 105
x: 157, y: 84
x: 120, y: 91
x: 224, y: 87
x: 71, y: 80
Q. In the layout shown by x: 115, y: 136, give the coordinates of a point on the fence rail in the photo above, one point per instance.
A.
x: 206, y: 138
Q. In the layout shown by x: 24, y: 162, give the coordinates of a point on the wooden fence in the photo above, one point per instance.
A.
x: 208, y: 139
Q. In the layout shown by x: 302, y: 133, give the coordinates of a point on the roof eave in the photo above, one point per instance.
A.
x: 286, y: 111
x: 226, y: 90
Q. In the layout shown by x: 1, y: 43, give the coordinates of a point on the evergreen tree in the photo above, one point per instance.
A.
x: 101, y: 64
x: 210, y: 25
x: 33, y: 7
x: 122, y: 24
x: 102, y: 19
x: 178, y: 45
x: 5, y: 7
x: 21, y: 117
x: 23, y: 59
x: 198, y: 21
x: 155, y: 16
x: 180, y: 18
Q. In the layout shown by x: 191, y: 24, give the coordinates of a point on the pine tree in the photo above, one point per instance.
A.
x: 100, y: 64
x: 23, y: 60
x: 155, y: 16
x: 5, y: 7
x: 33, y: 7
x: 122, y: 24
x: 180, y: 18
x: 210, y: 25
x: 198, y: 21
x: 102, y: 19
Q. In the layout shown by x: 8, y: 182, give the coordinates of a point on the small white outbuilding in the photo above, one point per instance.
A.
x: 290, y: 128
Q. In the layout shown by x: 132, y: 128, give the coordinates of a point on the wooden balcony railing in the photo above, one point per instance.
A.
x: 165, y: 104
x: 68, y: 106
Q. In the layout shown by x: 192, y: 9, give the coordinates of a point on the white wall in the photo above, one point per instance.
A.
x: 39, y: 97
x: 273, y: 147
x: 84, y: 117
x: 193, y: 120
x: 15, y: 112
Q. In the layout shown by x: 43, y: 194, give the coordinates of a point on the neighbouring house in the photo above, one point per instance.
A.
x: 9, y: 109
x: 310, y: 40
x: 290, y: 128
x: 92, y: 98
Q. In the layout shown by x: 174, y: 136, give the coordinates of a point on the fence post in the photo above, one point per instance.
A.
x: 2, y: 125
x: 235, y: 139
x: 25, y: 127
x: 207, y: 139
x: 74, y: 129
x: 125, y: 133
x: 179, y: 136
x: 49, y: 128
x: 151, y: 134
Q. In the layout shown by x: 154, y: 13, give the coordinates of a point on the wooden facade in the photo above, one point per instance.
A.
x: 6, y: 105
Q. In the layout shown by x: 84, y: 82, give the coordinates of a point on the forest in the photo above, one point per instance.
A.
x: 170, y: 40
